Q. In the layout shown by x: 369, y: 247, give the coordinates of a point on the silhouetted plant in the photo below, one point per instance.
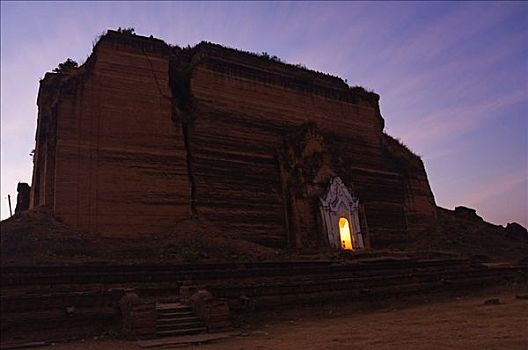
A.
x: 265, y: 55
x: 360, y: 89
x: 128, y: 31
x: 66, y: 67
x: 97, y: 39
x: 400, y: 142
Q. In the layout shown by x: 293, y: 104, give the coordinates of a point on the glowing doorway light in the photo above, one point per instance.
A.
x: 344, y: 233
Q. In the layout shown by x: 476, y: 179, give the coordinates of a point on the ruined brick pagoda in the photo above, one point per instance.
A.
x: 145, y: 134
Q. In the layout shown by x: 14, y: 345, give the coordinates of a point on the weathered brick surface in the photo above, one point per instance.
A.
x: 120, y: 163
x: 242, y: 117
x: 143, y: 135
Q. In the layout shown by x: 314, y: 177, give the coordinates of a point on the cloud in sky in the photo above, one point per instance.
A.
x: 452, y: 121
x: 451, y: 75
x: 492, y: 189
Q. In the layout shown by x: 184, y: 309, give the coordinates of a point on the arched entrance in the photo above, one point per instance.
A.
x: 340, y: 214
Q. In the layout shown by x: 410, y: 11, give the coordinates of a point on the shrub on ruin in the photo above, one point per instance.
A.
x: 66, y: 67
x: 128, y: 31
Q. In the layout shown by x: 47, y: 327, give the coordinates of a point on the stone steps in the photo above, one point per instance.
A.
x: 311, y: 277
x: 187, y: 324
x: 175, y: 319
x: 267, y: 287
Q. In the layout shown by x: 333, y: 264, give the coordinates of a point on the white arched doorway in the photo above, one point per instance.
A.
x: 340, y: 213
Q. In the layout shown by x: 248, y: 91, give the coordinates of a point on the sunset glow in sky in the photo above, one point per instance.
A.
x: 453, y: 76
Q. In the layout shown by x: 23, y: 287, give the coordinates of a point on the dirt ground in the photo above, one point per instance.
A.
x: 460, y: 323
x: 36, y: 237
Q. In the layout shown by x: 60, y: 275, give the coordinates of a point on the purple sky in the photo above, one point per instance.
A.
x: 453, y: 77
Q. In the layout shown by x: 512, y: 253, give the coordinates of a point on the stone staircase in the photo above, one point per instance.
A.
x: 176, y: 319
x: 39, y: 302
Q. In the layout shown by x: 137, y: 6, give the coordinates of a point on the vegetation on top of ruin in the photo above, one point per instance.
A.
x: 399, y: 142
x: 303, y: 73
x: 128, y: 31
x: 265, y: 56
x: 396, y: 140
x: 361, y: 90
x: 66, y: 67
x: 271, y: 58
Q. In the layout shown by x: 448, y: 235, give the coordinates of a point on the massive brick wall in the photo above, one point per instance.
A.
x: 239, y: 127
x: 244, y: 107
x: 120, y: 161
x: 147, y: 135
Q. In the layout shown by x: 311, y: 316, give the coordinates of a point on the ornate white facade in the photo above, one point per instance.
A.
x: 337, y: 203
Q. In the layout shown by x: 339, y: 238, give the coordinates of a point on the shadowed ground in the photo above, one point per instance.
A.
x: 462, y: 323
